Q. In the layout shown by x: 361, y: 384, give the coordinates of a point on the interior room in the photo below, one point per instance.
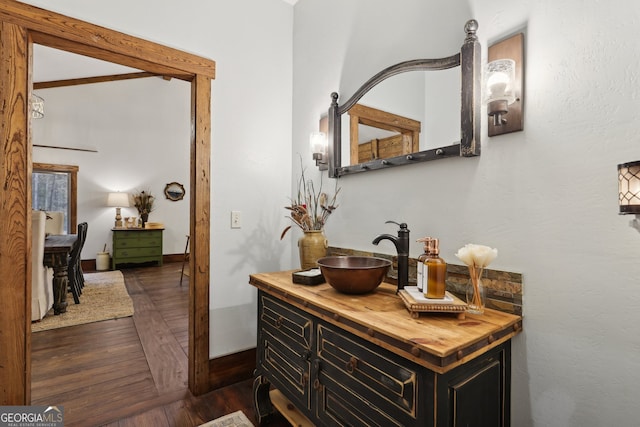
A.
x: 545, y: 197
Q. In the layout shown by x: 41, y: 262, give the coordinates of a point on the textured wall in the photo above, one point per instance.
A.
x: 545, y: 197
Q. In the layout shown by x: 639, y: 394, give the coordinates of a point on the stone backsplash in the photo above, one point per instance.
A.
x: 504, y: 288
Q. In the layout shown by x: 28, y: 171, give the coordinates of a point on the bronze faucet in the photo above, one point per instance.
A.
x: 402, y: 247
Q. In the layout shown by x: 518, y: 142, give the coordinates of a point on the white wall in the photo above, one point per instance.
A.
x: 140, y: 130
x: 545, y: 197
x: 251, y: 134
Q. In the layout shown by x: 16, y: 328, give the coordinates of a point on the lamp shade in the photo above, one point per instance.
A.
x: 118, y: 200
x: 629, y: 187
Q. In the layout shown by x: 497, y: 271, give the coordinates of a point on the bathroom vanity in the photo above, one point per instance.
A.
x: 326, y: 358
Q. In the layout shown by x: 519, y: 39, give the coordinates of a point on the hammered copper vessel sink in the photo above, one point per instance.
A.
x: 354, y: 274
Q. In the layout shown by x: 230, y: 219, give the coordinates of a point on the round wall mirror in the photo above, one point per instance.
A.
x: 174, y: 191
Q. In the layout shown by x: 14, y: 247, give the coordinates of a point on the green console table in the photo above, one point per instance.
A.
x: 133, y: 246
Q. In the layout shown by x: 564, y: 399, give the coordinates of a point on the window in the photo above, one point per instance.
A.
x: 55, y: 188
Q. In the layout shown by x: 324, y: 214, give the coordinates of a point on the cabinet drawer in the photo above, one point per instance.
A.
x: 138, y: 240
x: 136, y: 252
x: 285, y: 349
x: 362, y: 386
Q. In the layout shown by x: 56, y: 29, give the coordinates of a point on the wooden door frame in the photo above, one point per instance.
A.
x: 21, y: 25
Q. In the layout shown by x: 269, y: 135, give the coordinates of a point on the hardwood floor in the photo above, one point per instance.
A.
x: 131, y: 371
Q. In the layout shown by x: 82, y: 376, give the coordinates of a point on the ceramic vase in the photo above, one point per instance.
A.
x: 144, y: 217
x: 312, y: 246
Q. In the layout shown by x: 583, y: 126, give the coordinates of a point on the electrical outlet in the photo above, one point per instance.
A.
x: 236, y: 219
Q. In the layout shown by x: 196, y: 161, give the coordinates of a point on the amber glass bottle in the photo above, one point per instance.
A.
x: 435, y: 271
x: 420, y: 267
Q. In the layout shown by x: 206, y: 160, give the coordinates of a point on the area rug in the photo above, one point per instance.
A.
x: 235, y: 419
x: 104, y: 297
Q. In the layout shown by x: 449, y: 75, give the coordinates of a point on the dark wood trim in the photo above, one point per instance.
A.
x: 91, y: 80
x: 73, y: 202
x: 20, y: 26
x: 57, y: 147
x: 230, y: 369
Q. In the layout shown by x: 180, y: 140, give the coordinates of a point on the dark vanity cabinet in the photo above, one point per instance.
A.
x: 338, y: 362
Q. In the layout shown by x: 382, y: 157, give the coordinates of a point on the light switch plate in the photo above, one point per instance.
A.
x: 236, y: 219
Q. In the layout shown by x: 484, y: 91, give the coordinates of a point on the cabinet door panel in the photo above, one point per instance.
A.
x: 476, y: 400
x: 338, y: 404
x: 370, y: 378
x: 292, y: 326
x: 286, y: 369
x: 285, y: 349
x: 479, y: 392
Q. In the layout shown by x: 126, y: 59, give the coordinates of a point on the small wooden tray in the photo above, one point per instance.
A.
x: 457, y: 306
x: 310, y: 277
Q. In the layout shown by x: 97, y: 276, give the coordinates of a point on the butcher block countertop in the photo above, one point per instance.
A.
x: 438, y: 341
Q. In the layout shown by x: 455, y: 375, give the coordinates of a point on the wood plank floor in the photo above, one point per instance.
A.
x: 131, y: 371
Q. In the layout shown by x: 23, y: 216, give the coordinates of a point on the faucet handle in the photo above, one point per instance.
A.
x: 403, y: 226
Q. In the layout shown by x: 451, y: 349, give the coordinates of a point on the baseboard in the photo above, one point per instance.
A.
x: 230, y: 369
x: 172, y: 257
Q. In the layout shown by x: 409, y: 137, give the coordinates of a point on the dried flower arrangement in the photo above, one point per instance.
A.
x: 476, y: 257
x: 143, y: 201
x: 310, y: 210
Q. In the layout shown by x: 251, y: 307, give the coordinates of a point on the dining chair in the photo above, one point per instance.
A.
x: 54, y: 223
x: 74, y: 270
x: 41, y: 275
x: 82, y: 236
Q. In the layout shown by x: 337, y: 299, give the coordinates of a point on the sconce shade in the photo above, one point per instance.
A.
x: 118, y: 200
x: 629, y: 187
x: 319, y: 147
x: 501, y: 75
x: 318, y: 142
x: 504, y: 84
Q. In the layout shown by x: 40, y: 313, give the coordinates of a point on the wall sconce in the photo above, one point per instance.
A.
x: 319, y: 145
x: 629, y: 188
x: 504, y: 78
x: 118, y: 200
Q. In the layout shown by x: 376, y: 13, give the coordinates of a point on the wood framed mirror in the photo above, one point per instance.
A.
x: 366, y: 137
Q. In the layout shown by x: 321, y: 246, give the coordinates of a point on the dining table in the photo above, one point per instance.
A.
x: 57, y: 248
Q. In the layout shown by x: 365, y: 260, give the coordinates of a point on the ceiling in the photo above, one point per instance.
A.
x: 53, y: 64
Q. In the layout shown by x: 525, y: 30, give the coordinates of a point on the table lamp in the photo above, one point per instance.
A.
x: 118, y: 200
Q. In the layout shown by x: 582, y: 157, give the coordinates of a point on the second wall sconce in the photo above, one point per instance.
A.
x: 629, y: 187
x: 504, y: 85
x: 319, y: 145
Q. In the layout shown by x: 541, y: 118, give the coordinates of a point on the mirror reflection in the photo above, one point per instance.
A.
x: 404, y: 114
x: 413, y: 111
